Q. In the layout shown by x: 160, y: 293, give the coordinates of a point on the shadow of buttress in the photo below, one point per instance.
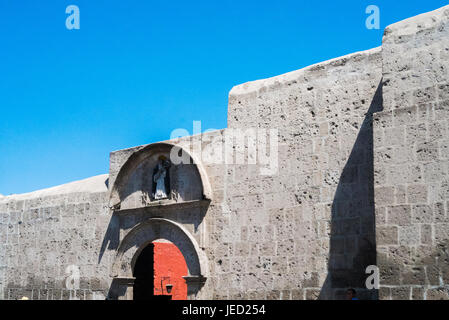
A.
x: 352, y: 236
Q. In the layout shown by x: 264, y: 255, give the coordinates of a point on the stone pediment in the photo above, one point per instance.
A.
x: 152, y: 178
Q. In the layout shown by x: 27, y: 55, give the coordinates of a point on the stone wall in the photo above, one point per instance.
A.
x: 361, y: 165
x: 50, y: 236
x: 307, y: 232
x: 411, y: 159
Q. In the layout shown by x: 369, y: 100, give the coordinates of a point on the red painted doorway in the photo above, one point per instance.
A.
x: 159, y: 272
x: 169, y: 269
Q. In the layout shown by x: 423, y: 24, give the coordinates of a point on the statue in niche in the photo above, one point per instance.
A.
x: 161, y: 179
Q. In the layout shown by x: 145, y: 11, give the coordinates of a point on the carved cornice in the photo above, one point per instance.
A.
x: 164, y: 205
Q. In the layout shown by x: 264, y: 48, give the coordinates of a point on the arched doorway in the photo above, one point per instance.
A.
x: 153, y: 230
x: 159, y: 272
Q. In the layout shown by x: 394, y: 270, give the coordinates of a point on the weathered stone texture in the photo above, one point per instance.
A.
x: 43, y: 235
x: 317, y: 212
x: 410, y: 148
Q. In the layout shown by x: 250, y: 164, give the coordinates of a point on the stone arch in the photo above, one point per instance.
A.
x: 117, y: 191
x: 153, y: 229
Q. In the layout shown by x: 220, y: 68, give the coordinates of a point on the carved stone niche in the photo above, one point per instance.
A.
x: 150, y: 178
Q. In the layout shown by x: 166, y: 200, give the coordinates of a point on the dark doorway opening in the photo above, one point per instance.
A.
x: 143, y: 273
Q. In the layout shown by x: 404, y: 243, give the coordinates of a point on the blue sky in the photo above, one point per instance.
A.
x: 136, y: 70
